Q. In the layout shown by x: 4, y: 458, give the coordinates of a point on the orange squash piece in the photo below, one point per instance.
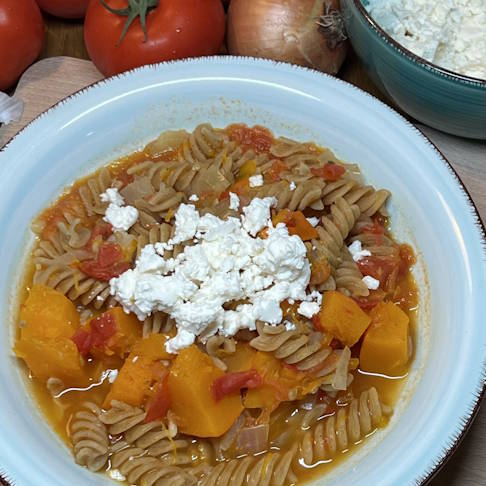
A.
x: 385, y: 343
x: 47, y: 314
x: 342, y: 317
x: 58, y: 359
x: 242, y: 359
x: 296, y: 223
x: 189, y: 384
x: 139, y: 371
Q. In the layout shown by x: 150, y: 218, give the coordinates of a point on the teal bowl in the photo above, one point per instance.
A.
x: 437, y: 97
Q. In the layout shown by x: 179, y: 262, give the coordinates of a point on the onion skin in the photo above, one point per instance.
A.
x: 284, y: 30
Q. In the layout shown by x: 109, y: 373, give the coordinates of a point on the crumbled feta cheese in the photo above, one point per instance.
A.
x: 256, y: 180
x: 290, y: 326
x: 448, y: 33
x: 227, y: 263
x: 257, y: 214
x: 234, y: 201
x: 292, y: 186
x: 371, y: 282
x: 308, y: 309
x: 313, y: 221
x: 193, y: 198
x: 122, y: 218
x: 112, y: 374
x: 112, y: 196
x: 357, y: 252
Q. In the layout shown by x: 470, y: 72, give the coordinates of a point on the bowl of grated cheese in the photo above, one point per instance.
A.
x: 428, y: 57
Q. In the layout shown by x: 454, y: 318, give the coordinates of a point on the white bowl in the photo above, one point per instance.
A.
x: 429, y: 207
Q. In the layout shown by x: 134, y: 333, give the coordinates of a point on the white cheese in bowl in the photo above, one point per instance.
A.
x: 448, y: 33
x: 228, y: 262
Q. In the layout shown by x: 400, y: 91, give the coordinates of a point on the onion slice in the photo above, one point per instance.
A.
x: 252, y: 440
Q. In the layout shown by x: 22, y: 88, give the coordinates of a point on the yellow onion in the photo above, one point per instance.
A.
x: 305, y: 32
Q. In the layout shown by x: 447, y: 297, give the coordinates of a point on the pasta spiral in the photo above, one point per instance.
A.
x: 270, y: 469
x: 335, y: 228
x: 89, y: 437
x: 349, y: 279
x: 369, y: 200
x: 303, y: 349
x: 347, y: 426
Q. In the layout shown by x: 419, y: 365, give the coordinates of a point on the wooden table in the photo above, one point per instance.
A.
x: 468, y: 465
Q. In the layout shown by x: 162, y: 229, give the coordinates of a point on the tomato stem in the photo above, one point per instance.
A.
x: 136, y: 8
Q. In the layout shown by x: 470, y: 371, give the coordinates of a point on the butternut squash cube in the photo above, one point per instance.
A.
x: 138, y: 373
x: 47, y: 314
x: 58, y: 359
x: 189, y: 383
x: 385, y: 344
x: 342, y: 317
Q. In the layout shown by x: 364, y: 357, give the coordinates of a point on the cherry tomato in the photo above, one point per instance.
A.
x: 69, y: 9
x: 232, y: 382
x: 21, y: 37
x: 329, y: 172
x: 175, y: 29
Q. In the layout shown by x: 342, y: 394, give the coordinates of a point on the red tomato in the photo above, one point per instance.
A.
x: 376, y: 228
x: 108, y: 264
x: 175, y: 29
x: 82, y: 340
x: 329, y: 172
x: 257, y: 138
x: 69, y: 9
x: 101, y: 329
x: 379, y: 267
x: 160, y: 403
x: 21, y: 37
x: 273, y: 174
x: 232, y: 382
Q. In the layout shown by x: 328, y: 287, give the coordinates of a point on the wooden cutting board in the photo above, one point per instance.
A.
x: 52, y: 79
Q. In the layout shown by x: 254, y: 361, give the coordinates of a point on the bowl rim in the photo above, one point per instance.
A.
x: 428, y: 65
x: 480, y: 392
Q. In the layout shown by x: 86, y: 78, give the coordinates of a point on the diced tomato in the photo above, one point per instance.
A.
x: 335, y: 344
x: 160, y: 403
x: 367, y: 303
x: 82, y: 340
x: 257, y: 138
x: 273, y: 174
x: 316, y: 322
x: 101, y: 329
x: 109, y: 253
x: 102, y: 231
x: 232, y: 382
x: 108, y: 263
x: 407, y: 258
x: 329, y: 172
x: 93, y: 269
x: 379, y: 267
x: 376, y: 228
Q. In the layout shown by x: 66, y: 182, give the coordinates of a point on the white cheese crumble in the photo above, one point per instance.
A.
x: 226, y: 264
x: 292, y: 186
x: 357, y: 252
x: 256, y: 180
x: 449, y: 33
x: 371, y: 282
x: 234, y: 201
x: 121, y: 217
x: 308, y: 309
x: 193, y: 198
x: 313, y: 221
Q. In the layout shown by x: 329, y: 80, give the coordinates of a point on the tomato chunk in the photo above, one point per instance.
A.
x: 376, y: 228
x: 102, y: 328
x: 232, y: 382
x: 257, y: 138
x: 160, y: 403
x: 329, y: 172
x: 379, y: 267
x: 274, y: 173
x: 108, y: 263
